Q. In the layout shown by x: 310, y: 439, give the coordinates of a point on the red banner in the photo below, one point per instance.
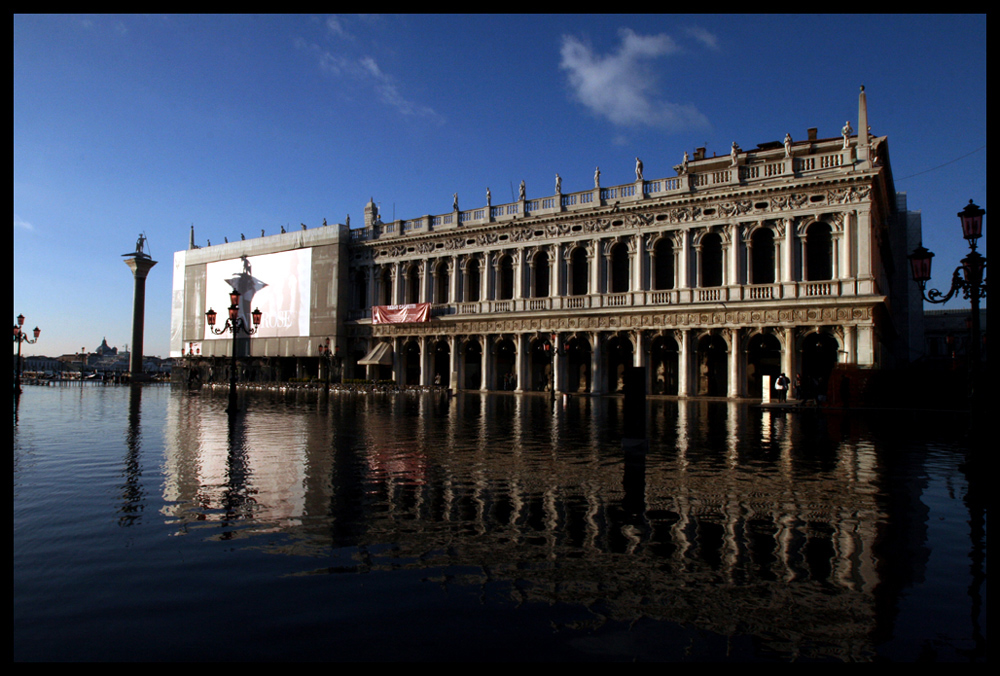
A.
x: 400, y: 314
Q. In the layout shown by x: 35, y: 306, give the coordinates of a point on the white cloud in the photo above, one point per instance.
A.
x: 22, y: 224
x: 621, y: 87
x: 704, y: 37
x: 366, y: 69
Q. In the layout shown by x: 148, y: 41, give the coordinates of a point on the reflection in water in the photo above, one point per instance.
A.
x: 739, y: 521
x: 805, y: 532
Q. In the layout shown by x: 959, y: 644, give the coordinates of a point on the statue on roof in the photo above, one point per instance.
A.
x: 847, y: 131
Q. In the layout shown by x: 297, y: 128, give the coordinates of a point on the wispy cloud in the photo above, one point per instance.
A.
x: 366, y: 70
x: 621, y: 87
x: 704, y: 37
x: 21, y: 224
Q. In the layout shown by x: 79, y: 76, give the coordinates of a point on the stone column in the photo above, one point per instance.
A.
x: 734, y: 388
x: 683, y: 338
x: 596, y: 370
x: 140, y: 265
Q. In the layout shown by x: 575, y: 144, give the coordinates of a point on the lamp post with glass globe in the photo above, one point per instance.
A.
x: 235, y: 324
x: 969, y: 278
x: 21, y: 337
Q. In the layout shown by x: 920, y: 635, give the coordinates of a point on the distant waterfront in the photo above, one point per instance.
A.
x: 411, y: 526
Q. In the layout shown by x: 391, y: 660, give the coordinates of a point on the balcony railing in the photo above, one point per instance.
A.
x: 732, y: 296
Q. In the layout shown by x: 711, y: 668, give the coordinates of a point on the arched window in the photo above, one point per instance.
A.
x: 441, y: 282
x: 541, y: 289
x: 663, y: 273
x: 412, y: 285
x: 819, y: 252
x: 473, y: 280
x: 505, y: 284
x: 711, y: 260
x: 762, y: 262
x: 578, y: 261
x: 619, y: 269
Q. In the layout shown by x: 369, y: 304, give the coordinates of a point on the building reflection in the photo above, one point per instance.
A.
x: 737, y: 521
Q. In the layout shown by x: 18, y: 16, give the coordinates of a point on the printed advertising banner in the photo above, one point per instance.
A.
x: 400, y: 314
x: 276, y: 283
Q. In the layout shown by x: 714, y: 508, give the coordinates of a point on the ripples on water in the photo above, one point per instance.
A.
x: 147, y: 525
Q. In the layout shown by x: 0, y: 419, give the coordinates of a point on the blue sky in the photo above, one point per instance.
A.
x: 234, y: 124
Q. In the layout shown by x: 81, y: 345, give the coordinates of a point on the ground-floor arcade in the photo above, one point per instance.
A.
x: 700, y: 359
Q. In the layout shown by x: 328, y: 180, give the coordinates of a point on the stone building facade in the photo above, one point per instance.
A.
x: 789, y: 257
x: 777, y: 259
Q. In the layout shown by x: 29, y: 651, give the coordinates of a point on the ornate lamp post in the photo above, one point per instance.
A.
x: 969, y: 278
x: 235, y: 324
x: 21, y: 337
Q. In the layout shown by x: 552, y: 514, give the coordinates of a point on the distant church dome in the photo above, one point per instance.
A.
x: 105, y: 349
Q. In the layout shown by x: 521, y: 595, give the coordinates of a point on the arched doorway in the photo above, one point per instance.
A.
x: 664, y: 353
x: 619, y: 357
x: 763, y: 359
x: 472, y: 364
x: 505, y: 356
x: 411, y: 363
x: 541, y: 364
x: 578, y: 364
x: 442, y: 363
x: 819, y: 356
x: 713, y: 366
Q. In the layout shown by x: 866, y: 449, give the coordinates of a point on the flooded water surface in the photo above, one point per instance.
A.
x: 151, y: 525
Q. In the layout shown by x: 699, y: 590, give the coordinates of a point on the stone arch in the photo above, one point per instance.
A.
x: 578, y: 363
x: 820, y: 352
x: 664, y: 362
x: 763, y: 354
x: 713, y: 364
x: 472, y: 363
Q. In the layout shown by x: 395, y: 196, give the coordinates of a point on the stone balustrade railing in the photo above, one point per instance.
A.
x: 645, y: 298
x: 764, y: 168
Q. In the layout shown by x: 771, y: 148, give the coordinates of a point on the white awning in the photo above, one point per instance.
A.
x: 380, y: 354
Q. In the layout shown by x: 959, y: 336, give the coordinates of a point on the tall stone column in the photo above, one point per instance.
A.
x: 140, y: 264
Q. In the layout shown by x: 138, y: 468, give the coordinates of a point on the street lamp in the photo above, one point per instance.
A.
x: 235, y: 324
x: 21, y: 337
x: 969, y: 278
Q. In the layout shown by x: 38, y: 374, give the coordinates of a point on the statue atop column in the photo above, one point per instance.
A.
x: 638, y: 169
x: 597, y: 177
